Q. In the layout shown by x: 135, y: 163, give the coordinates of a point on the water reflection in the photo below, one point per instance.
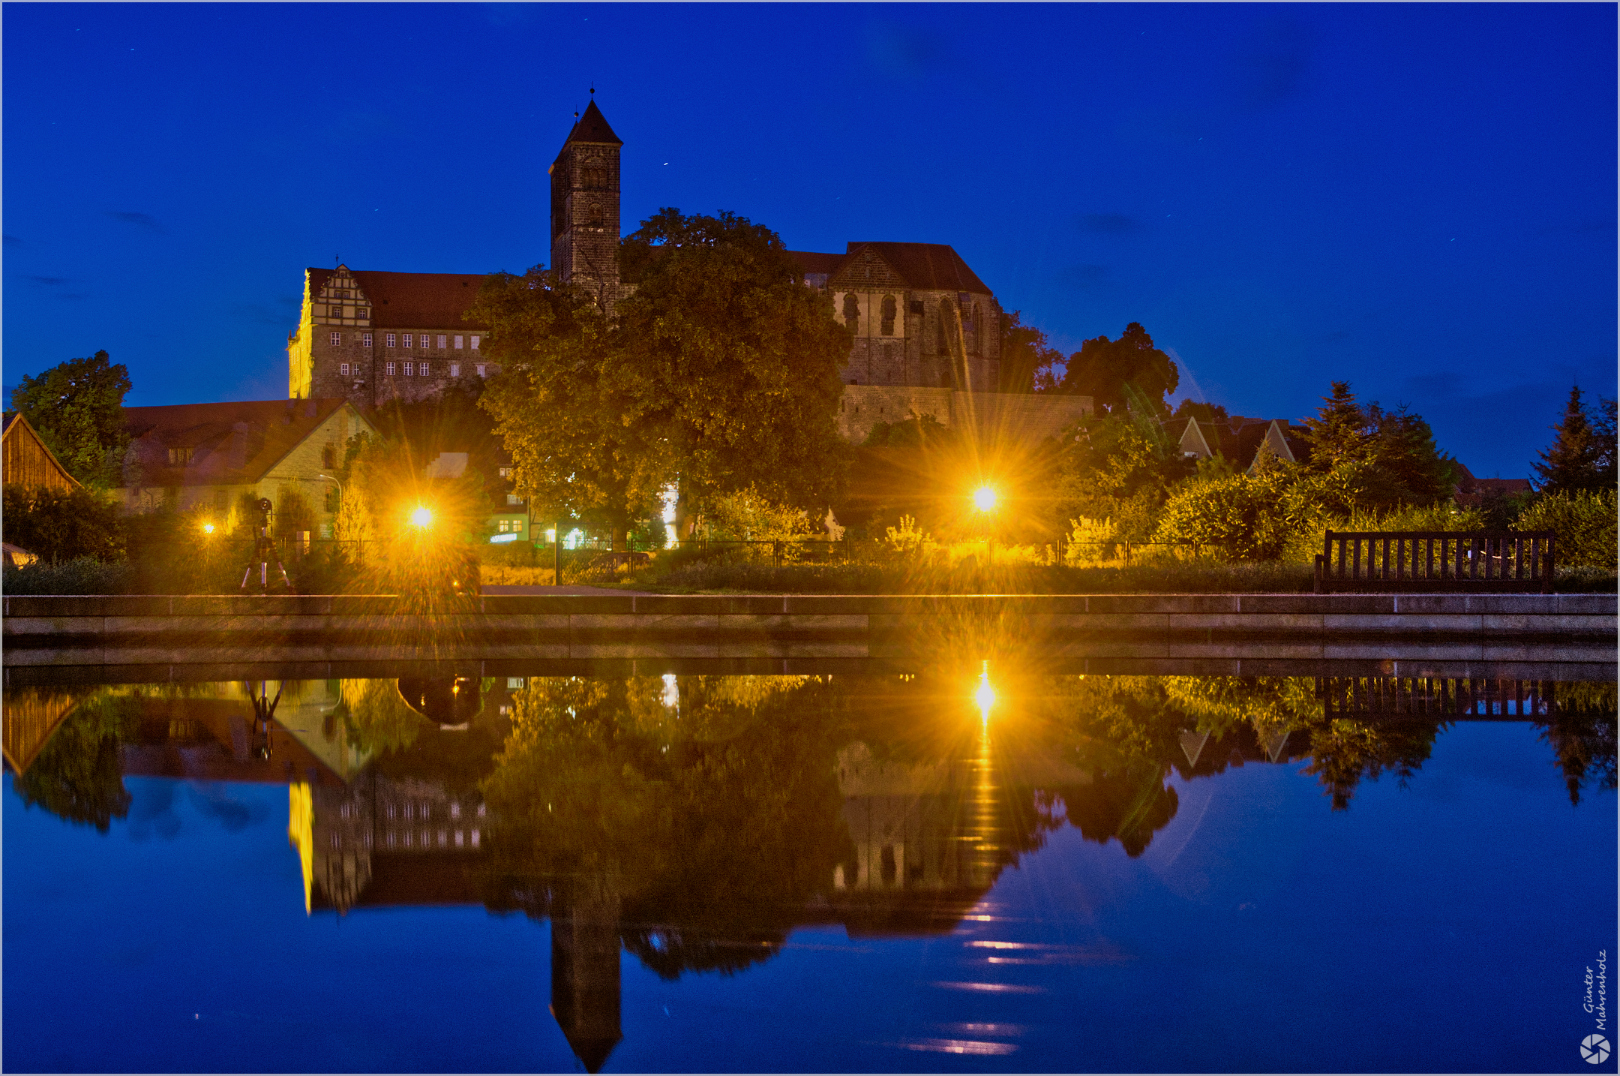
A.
x: 696, y: 821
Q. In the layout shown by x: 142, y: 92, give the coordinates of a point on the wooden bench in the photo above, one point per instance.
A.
x: 1384, y: 561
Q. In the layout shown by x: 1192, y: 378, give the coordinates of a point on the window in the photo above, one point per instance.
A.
x: 455, y: 369
x: 506, y: 472
x: 916, y: 307
x: 388, y: 368
x: 458, y: 343
x: 388, y: 339
x: 513, y: 498
x: 480, y: 369
x: 407, y: 339
x: 329, y: 456
x: 852, y: 311
x: 343, y: 368
x: 503, y: 526
x: 337, y: 339
x: 424, y: 370
x: 365, y: 339
x: 441, y: 341
x: 475, y: 342
x: 179, y: 457
x: 889, y: 309
x: 410, y: 368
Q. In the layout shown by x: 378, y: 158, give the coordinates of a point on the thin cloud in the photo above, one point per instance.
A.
x: 140, y: 220
x: 49, y: 281
x: 13, y: 241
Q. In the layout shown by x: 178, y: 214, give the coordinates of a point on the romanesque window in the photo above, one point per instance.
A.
x: 388, y: 339
x: 852, y: 311
x: 889, y: 308
x: 337, y: 339
x: 594, y: 179
x: 407, y: 339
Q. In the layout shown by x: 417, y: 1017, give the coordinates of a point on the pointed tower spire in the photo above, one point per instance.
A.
x: 585, y: 207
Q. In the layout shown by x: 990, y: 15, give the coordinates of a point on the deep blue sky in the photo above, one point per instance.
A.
x: 1419, y: 199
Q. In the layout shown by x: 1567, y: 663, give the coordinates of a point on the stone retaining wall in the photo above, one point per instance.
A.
x: 119, y: 630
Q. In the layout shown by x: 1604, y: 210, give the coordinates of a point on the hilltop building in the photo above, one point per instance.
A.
x: 927, y: 329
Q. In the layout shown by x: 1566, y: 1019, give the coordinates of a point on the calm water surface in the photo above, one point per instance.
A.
x: 974, y: 869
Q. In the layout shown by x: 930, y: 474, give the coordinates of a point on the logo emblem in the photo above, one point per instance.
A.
x: 1595, y: 1049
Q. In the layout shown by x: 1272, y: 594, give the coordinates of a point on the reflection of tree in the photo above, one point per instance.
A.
x: 376, y: 716
x: 1344, y: 751
x: 1580, y: 728
x: 712, y: 809
x: 76, y: 775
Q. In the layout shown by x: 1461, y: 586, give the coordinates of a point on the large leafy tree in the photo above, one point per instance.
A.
x: 77, y: 407
x: 736, y: 360
x: 1581, y: 456
x: 1028, y: 362
x: 587, y: 429
x: 1102, y: 368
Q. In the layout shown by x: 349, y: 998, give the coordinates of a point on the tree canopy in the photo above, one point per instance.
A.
x: 1028, y: 361
x: 1102, y: 368
x: 720, y: 371
x: 1582, y: 455
x: 77, y: 407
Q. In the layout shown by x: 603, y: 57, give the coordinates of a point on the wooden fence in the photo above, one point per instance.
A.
x: 1435, y: 561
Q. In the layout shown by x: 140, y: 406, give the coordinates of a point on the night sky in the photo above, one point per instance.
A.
x: 1418, y: 199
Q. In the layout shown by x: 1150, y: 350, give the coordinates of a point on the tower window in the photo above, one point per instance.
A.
x: 337, y: 339
x: 388, y: 339
x: 407, y: 339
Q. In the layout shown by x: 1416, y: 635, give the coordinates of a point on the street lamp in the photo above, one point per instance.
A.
x: 984, y: 499
x: 422, y: 517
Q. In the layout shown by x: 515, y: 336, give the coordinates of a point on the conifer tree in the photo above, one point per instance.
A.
x: 1578, y: 456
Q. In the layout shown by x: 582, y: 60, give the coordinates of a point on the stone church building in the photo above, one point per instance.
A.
x: 927, y: 329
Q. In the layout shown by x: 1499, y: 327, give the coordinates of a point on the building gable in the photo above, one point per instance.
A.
x: 28, y: 460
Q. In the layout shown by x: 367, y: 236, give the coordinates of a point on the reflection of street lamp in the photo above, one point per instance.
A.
x: 422, y: 517
x: 208, y: 528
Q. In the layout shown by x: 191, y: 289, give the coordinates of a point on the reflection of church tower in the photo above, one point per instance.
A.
x: 585, y: 967
x: 585, y: 208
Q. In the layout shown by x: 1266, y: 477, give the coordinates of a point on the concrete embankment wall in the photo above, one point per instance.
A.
x: 127, y: 630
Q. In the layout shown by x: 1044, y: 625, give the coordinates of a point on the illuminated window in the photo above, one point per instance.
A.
x: 458, y: 343
x: 407, y: 339
x: 424, y: 370
x: 179, y: 457
x: 337, y: 339
x: 410, y: 368
x: 502, y: 526
x: 475, y: 342
x: 441, y: 341
x: 388, y: 368
x: 480, y: 369
x: 388, y: 339
x: 343, y: 368
x: 513, y: 498
x: 475, y: 832
x: 506, y: 472
x: 365, y: 340
x: 455, y: 369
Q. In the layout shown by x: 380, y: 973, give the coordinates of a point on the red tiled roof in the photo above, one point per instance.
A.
x: 412, y: 300
x: 813, y: 262
x: 232, y: 443
x: 926, y: 266
x: 593, y: 127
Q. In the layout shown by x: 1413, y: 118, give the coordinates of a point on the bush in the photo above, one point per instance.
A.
x: 1243, y: 518
x: 1584, y: 523
x: 63, y: 525
x: 84, y: 575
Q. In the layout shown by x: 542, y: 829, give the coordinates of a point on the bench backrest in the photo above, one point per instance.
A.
x: 1435, y: 560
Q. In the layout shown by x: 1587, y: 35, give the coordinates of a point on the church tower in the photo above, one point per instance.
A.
x: 585, y: 208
